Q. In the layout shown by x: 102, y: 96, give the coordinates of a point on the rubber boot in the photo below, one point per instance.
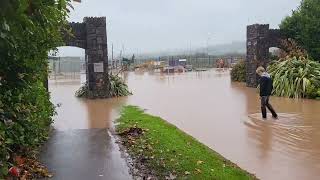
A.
x: 264, y: 112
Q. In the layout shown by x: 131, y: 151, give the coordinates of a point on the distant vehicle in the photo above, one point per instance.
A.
x: 183, y: 62
x: 168, y: 69
x: 188, y: 67
x: 178, y: 62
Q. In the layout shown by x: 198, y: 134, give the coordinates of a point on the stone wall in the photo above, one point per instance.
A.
x: 259, y: 39
x: 91, y: 35
x: 78, y: 37
x: 96, y: 51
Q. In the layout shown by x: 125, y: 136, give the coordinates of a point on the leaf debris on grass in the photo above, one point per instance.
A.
x: 172, y: 150
x: 29, y: 168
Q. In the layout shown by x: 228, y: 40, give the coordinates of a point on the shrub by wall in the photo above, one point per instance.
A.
x: 238, y: 72
x: 296, y: 77
x: 28, y: 30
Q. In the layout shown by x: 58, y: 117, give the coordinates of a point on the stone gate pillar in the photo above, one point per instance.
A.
x: 257, y: 51
x: 96, y: 54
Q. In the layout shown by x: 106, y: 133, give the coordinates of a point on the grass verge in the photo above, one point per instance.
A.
x: 168, y: 152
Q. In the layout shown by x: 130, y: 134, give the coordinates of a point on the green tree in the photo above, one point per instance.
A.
x: 28, y: 30
x: 304, y: 26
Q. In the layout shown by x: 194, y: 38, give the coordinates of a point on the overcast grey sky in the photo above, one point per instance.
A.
x: 159, y: 25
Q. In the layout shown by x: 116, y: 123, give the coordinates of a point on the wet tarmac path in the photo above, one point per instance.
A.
x: 84, y: 154
x: 81, y: 146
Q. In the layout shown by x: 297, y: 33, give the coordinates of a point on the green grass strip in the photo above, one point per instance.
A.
x: 166, y: 149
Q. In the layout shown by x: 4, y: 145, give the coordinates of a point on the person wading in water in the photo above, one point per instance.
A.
x: 266, y: 87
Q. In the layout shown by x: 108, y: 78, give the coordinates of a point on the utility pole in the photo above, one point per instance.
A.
x: 138, y: 60
x: 190, y: 51
x: 208, y: 45
x: 122, y: 55
x: 120, y: 60
x: 59, y: 71
x: 112, y: 62
x: 123, y: 50
x: 208, y: 39
x: 112, y: 52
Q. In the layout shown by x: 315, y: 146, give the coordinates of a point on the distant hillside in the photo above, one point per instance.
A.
x: 234, y: 47
x: 238, y: 47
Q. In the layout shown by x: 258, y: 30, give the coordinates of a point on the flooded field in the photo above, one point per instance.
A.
x: 223, y: 115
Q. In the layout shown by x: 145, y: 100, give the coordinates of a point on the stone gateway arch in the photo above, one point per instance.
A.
x: 91, y: 35
x: 259, y: 39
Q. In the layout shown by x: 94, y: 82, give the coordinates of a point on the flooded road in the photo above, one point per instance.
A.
x: 223, y: 115
x: 76, y: 113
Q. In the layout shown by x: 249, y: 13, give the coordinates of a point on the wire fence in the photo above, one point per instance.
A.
x: 66, y: 67
x: 196, y: 62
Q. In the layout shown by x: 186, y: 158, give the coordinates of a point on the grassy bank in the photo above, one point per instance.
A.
x: 170, y: 153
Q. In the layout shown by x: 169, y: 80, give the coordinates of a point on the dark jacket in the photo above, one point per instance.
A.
x: 265, y: 86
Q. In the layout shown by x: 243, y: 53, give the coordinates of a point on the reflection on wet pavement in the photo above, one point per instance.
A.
x: 76, y: 113
x: 84, y: 154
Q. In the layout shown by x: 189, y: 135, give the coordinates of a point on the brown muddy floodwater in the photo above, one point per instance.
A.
x: 223, y: 115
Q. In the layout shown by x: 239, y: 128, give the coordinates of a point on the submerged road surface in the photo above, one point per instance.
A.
x: 223, y: 115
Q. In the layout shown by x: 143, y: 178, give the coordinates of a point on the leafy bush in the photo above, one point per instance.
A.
x: 117, y: 88
x: 83, y: 91
x: 290, y: 48
x: 28, y: 30
x: 25, y: 120
x: 296, y: 77
x: 304, y: 27
x: 238, y: 72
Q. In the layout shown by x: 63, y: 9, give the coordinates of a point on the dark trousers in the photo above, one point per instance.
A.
x: 264, y: 104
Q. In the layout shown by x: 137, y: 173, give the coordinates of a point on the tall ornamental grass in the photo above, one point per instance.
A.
x: 296, y: 77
